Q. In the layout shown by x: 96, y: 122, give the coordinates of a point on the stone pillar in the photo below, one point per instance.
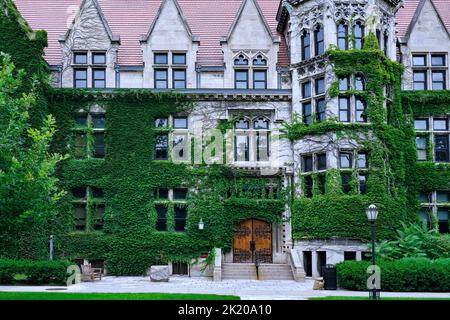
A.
x: 358, y: 255
x: 315, y: 269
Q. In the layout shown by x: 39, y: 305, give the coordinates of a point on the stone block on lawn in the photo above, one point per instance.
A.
x: 159, y: 273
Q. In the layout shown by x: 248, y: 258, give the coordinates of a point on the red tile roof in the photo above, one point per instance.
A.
x: 407, y: 12
x: 208, y: 19
x: 130, y: 19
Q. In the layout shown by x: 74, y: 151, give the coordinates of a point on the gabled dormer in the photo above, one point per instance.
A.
x: 89, y: 50
x: 425, y: 50
x: 250, y: 36
x: 169, y: 50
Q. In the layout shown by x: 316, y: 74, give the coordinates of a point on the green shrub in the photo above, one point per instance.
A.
x: 33, y: 272
x: 415, y: 241
x: 407, y: 275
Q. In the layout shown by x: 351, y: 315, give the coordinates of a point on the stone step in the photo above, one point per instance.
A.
x: 248, y: 271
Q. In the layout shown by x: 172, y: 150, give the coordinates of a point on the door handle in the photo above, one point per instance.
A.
x: 252, y: 245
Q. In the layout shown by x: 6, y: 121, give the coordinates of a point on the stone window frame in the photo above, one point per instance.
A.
x: 170, y: 68
x: 312, y: 44
x: 353, y: 98
x: 250, y: 68
x: 430, y: 133
x: 252, y: 136
x: 313, y: 98
x: 81, y: 132
x: 171, y: 200
x: 428, y: 69
x: 306, y: 44
x: 354, y: 166
x: 433, y: 206
x: 90, y: 215
x: 318, y: 26
x: 171, y: 132
x: 89, y: 67
x: 383, y: 40
x: 346, y: 37
x: 362, y: 25
x: 350, y: 32
x: 307, y: 175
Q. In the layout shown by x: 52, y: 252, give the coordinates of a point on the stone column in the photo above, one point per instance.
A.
x: 315, y: 269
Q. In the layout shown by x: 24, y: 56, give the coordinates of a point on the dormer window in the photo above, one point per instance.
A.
x: 89, y: 67
x: 98, y: 78
x: 161, y: 58
x: 98, y: 58
x: 80, y: 58
x: 241, y: 61
x: 170, y: 71
x: 179, y: 58
x: 80, y: 78
x: 241, y: 79
x: 161, y: 79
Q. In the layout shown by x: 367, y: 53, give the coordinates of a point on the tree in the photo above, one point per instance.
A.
x: 28, y: 187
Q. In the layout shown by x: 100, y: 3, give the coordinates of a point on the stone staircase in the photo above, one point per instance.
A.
x: 247, y: 271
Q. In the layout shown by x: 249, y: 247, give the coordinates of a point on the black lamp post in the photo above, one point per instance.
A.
x: 372, y: 215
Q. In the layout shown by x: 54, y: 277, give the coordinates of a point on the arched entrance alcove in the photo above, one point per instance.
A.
x: 252, y: 242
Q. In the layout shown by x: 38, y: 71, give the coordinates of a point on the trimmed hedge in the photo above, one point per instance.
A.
x: 33, y: 272
x: 408, y: 275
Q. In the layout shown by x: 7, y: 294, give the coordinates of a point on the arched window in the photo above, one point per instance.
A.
x: 358, y: 34
x: 306, y: 45
x: 252, y: 139
x: 241, y: 61
x: 242, y: 124
x: 261, y: 127
x: 241, y: 140
x: 386, y: 43
x: 259, y: 61
x: 342, y: 34
x: 360, y: 84
x: 319, y: 45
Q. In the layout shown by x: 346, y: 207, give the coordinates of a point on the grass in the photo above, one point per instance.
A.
x: 109, y: 296
x: 367, y: 298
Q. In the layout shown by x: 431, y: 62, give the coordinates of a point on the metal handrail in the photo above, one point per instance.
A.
x: 257, y: 267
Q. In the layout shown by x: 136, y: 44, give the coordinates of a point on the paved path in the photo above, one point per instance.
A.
x: 246, y: 289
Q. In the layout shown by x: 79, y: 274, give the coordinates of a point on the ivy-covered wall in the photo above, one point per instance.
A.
x: 129, y: 242
x: 391, y: 150
x: 427, y: 176
x: 25, y: 46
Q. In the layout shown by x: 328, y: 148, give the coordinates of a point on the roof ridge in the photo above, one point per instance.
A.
x: 181, y: 15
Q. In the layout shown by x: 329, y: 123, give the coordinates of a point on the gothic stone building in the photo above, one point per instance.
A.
x: 252, y: 66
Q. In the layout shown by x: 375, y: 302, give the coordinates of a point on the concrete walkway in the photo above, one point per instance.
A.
x: 246, y: 289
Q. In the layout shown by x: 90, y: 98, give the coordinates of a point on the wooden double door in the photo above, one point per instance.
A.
x: 252, y: 242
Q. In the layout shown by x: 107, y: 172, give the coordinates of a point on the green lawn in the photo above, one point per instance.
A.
x: 367, y: 298
x: 109, y: 296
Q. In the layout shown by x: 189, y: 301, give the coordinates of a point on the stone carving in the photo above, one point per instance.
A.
x: 350, y: 10
x: 159, y: 273
x: 309, y: 19
x: 311, y: 67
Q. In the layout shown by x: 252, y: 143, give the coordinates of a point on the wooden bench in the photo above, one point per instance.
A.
x: 90, y: 274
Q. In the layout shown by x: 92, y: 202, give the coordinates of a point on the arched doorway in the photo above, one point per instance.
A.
x: 252, y: 242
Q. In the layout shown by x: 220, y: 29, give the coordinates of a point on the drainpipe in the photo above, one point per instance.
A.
x: 60, y: 76
x: 197, y: 76
x: 117, y: 75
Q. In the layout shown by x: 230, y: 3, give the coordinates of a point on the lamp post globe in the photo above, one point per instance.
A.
x: 372, y: 213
